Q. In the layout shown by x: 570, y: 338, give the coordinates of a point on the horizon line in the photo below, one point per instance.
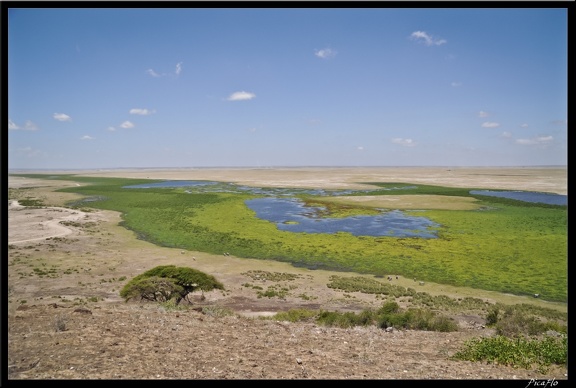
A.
x: 283, y: 166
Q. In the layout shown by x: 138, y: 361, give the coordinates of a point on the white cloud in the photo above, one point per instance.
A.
x: 535, y: 140
x: 403, y: 142
x: 456, y: 84
x: 177, y: 71
x: 153, y: 73
x: 86, y: 137
x: 506, y: 134
x: 325, y: 53
x: 62, y: 117
x: 428, y: 40
x: 360, y: 148
x: 127, y: 124
x: 524, y: 125
x: 30, y: 126
x: 111, y: 128
x: 241, y: 96
x: 12, y: 125
x: 482, y: 114
x: 143, y: 112
x: 490, y: 124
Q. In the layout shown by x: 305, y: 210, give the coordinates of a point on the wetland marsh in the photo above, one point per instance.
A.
x: 483, y: 242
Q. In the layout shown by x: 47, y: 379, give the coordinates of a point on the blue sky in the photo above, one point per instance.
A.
x: 201, y: 87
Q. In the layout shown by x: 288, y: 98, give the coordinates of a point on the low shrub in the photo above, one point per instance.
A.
x: 390, y: 315
x: 516, y: 352
x: 344, y: 320
x: 295, y: 315
x: 516, y: 320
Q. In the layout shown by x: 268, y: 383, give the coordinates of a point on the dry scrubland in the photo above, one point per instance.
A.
x: 67, y: 321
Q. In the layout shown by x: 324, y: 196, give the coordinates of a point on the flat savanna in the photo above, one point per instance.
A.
x: 68, y: 265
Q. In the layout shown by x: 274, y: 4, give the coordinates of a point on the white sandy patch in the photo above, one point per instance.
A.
x: 542, y: 179
x: 34, y: 224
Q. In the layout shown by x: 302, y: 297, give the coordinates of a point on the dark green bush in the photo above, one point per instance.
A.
x: 389, y: 308
x: 492, y: 316
x: 167, y: 282
x: 154, y: 289
x: 365, y: 318
x: 396, y: 320
x: 443, y: 324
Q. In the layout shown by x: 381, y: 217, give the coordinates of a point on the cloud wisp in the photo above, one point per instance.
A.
x: 12, y: 125
x: 87, y: 137
x: 62, y: 117
x: 142, y: 112
x: 28, y: 126
x: 153, y: 73
x: 177, y: 71
x: 325, y: 53
x: 425, y: 38
x: 241, y: 96
x: 403, y: 142
x: 127, y: 124
x: 490, y: 124
x: 539, y: 140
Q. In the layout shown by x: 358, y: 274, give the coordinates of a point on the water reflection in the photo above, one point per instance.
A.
x: 291, y: 215
x: 526, y: 196
x: 224, y: 187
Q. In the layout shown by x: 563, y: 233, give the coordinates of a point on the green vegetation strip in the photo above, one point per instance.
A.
x: 504, y: 245
x: 517, y: 352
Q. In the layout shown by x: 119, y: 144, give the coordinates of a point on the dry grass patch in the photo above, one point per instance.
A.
x: 409, y: 202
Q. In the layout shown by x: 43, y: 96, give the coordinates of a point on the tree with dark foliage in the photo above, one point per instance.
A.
x: 168, y: 282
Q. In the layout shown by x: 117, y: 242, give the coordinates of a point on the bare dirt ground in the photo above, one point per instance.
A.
x: 66, y: 319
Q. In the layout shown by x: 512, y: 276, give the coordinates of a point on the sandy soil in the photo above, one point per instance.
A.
x: 67, y: 321
x: 543, y: 179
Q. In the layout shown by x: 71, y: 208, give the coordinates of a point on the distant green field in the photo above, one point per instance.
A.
x: 501, y: 245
